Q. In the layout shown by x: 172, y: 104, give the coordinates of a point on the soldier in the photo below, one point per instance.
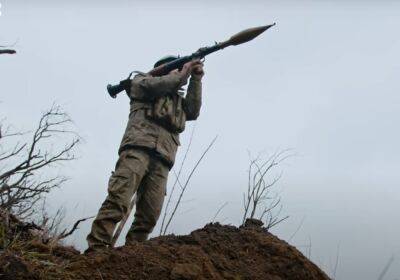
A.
x: 158, y: 113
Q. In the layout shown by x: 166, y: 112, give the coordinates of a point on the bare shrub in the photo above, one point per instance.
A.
x: 260, y: 201
x: 25, y: 175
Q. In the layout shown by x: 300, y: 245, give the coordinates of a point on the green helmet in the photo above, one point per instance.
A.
x: 165, y: 59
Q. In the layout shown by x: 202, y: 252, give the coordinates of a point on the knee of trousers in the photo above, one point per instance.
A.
x: 119, y: 189
x: 117, y: 203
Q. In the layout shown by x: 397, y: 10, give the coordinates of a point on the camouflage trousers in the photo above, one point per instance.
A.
x: 137, y: 171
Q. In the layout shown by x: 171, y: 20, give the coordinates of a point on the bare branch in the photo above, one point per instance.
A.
x: 336, y: 262
x: 218, y: 211
x: 297, y: 229
x: 75, y: 227
x: 177, y: 179
x: 186, y: 184
x: 122, y: 223
x: 386, y: 268
x: 7, y: 51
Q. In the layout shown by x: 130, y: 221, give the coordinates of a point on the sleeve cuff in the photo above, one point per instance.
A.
x: 195, y: 79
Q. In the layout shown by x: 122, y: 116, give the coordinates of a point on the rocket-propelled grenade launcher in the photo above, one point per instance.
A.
x: 237, y: 39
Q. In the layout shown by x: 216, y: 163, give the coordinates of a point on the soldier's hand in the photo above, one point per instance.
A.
x: 198, y: 71
x: 187, y: 70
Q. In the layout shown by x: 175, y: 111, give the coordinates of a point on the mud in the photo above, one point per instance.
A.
x: 213, y: 252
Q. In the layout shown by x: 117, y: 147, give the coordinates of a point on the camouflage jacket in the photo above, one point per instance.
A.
x: 158, y: 113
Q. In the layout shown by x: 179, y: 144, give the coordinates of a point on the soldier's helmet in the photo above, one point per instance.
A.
x: 165, y: 59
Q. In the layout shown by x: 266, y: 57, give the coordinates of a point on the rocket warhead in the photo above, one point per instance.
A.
x: 246, y: 35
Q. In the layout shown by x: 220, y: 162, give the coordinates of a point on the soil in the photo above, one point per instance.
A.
x: 213, y: 252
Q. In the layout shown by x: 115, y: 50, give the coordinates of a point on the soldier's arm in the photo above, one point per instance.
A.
x: 149, y: 87
x: 192, y: 101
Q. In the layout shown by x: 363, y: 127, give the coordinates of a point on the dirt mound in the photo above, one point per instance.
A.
x: 213, y: 252
x: 26, y: 252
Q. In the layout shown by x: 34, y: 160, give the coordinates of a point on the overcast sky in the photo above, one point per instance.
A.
x: 324, y: 81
